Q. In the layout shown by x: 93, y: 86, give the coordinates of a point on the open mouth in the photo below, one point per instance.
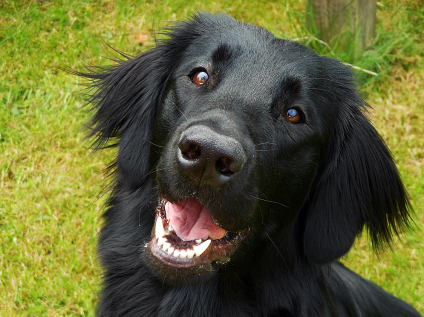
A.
x: 185, y: 239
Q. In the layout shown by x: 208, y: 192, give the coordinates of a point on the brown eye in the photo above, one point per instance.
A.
x: 200, y: 78
x: 293, y: 115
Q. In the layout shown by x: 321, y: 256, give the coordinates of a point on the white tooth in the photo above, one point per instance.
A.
x: 170, y: 227
x: 170, y: 250
x: 198, y: 241
x: 159, y: 231
x: 177, y: 253
x: 183, y: 254
x: 199, y: 249
x: 161, y: 241
x: 190, y: 253
x: 166, y: 245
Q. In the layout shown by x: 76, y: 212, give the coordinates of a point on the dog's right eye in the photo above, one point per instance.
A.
x: 293, y: 115
x: 200, y: 77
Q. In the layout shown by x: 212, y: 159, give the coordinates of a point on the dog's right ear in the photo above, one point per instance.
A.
x: 120, y: 93
x: 124, y: 98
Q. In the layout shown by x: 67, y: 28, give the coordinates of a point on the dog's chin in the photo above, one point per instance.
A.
x: 187, y: 245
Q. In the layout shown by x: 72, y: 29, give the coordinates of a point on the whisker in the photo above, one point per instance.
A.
x: 320, y: 89
x: 323, y: 78
x: 270, y: 201
x: 153, y: 143
x: 151, y: 172
x: 181, y: 112
x: 163, y: 281
x: 276, y: 249
x: 265, y: 150
x: 265, y: 143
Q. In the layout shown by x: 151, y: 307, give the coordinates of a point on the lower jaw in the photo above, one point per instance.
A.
x: 173, y: 274
x: 176, y: 271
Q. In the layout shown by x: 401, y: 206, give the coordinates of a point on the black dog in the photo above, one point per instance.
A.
x: 246, y: 167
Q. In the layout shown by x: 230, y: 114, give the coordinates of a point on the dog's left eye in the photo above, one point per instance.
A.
x: 200, y: 77
x: 293, y: 115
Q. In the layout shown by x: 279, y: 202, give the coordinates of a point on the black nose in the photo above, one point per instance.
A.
x: 209, y: 156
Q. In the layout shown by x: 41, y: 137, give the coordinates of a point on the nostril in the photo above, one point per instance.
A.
x: 192, y: 153
x: 222, y: 165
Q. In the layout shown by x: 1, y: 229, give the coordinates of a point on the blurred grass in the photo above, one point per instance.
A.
x: 50, y: 184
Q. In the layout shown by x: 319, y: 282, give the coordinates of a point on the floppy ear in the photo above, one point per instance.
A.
x: 357, y: 184
x: 124, y: 98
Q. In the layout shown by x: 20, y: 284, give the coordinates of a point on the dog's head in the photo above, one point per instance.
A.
x: 246, y: 139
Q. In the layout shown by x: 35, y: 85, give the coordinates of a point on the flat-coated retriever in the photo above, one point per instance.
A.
x: 246, y: 167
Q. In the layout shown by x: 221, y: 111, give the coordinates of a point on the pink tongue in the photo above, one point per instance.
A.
x: 192, y: 221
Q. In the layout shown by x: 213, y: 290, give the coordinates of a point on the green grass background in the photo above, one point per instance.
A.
x: 51, y: 186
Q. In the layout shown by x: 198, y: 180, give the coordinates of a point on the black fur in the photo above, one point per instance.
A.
x: 305, y: 192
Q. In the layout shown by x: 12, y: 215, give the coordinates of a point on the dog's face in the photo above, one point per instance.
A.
x: 237, y: 144
x: 246, y: 145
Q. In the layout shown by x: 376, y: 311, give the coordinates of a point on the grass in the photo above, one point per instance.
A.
x: 50, y: 187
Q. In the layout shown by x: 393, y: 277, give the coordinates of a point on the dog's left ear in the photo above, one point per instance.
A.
x: 357, y: 184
